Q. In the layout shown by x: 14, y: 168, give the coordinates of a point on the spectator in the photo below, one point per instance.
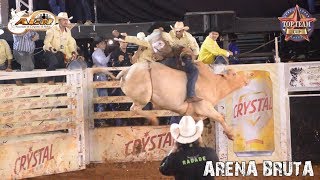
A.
x: 187, y: 135
x: 100, y: 60
x: 118, y: 35
x: 210, y: 52
x: 120, y: 57
x: 23, y: 48
x: 82, y: 12
x: 59, y: 45
x: 57, y: 6
x: 5, y: 54
x: 233, y: 47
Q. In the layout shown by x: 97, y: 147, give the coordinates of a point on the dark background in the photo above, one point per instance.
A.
x: 122, y: 11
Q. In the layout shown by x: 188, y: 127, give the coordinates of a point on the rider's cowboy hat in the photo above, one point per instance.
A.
x: 63, y: 15
x: 1, y: 31
x: 187, y: 131
x: 178, y: 26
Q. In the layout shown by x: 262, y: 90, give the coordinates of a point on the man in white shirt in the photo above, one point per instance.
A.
x: 100, y: 60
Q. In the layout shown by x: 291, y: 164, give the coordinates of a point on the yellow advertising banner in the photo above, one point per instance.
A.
x: 257, y: 115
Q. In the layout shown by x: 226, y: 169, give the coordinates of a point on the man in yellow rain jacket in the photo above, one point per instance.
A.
x: 210, y: 49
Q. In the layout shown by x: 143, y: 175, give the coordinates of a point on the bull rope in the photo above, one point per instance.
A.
x: 149, y: 68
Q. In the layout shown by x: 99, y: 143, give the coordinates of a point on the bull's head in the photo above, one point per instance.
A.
x: 239, y: 79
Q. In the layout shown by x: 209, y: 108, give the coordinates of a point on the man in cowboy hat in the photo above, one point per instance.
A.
x: 59, y: 45
x: 187, y: 159
x: 181, y: 38
x: 5, y: 54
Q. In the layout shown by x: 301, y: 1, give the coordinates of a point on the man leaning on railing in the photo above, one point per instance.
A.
x: 59, y: 45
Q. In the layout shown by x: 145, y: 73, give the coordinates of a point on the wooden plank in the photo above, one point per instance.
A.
x: 89, y: 96
x: 33, y: 115
x: 112, y: 99
x: 29, y: 103
x: 37, y: 129
x: 91, y: 70
x: 33, y: 90
x: 131, y: 114
x: 105, y: 84
x: 34, y: 74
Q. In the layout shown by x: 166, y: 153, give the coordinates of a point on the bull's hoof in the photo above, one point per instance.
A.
x: 154, y: 121
x: 229, y: 134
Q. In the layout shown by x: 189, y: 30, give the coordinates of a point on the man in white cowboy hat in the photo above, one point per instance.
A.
x: 5, y: 54
x: 59, y: 45
x: 181, y: 38
x: 187, y: 159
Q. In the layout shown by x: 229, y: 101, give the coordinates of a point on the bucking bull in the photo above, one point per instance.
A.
x: 165, y: 88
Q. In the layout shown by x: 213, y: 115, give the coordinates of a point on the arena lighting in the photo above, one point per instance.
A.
x: 110, y: 41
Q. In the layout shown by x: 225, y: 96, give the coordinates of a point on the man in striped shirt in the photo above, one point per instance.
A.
x: 23, y: 48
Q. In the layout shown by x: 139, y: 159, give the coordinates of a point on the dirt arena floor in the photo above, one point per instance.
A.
x: 141, y: 170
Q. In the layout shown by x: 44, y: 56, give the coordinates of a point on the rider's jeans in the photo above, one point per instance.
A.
x: 192, y: 76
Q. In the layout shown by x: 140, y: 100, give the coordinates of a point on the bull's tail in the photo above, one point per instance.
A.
x: 122, y: 73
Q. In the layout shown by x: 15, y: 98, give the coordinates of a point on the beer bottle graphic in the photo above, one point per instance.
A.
x: 253, y: 118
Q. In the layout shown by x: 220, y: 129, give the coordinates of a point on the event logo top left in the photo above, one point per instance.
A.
x: 21, y: 22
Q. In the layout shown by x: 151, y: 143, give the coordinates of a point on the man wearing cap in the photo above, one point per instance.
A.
x: 5, y: 54
x: 59, y: 45
x: 210, y: 49
x: 100, y: 60
x: 187, y: 159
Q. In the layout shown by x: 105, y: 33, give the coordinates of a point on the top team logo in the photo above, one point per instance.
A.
x: 21, y: 22
x: 297, y: 24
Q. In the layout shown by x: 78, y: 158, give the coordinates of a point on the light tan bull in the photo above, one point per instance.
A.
x: 166, y: 88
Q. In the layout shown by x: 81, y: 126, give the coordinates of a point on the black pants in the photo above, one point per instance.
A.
x: 54, y: 61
